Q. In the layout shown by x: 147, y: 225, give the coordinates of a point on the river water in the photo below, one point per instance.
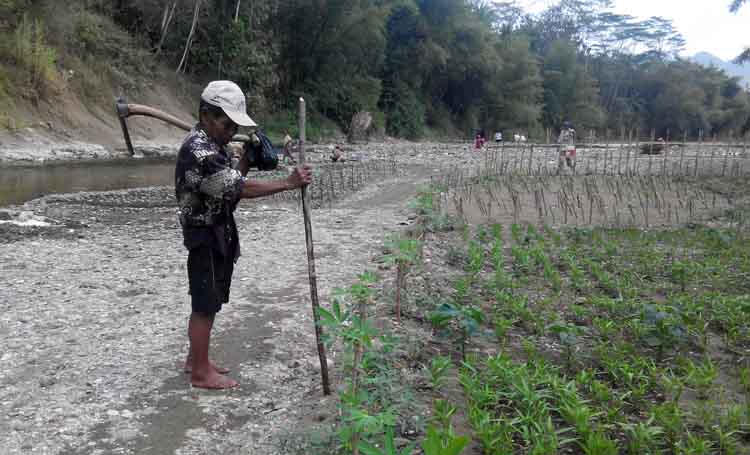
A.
x: 21, y: 184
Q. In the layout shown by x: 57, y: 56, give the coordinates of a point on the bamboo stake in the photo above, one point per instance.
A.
x: 682, y: 152
x: 311, y: 258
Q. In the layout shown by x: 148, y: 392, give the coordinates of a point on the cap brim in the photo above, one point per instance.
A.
x: 240, y: 118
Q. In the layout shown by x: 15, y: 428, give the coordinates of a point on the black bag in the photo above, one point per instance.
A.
x: 261, y: 153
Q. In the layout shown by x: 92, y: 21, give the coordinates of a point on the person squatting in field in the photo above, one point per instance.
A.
x: 208, y: 190
x: 566, y: 147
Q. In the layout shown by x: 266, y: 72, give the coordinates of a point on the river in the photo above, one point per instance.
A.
x: 21, y: 184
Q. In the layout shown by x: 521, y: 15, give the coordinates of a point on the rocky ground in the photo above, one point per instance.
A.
x: 93, y: 287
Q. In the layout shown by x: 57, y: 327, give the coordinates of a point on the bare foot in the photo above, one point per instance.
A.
x: 188, y: 368
x: 213, y: 380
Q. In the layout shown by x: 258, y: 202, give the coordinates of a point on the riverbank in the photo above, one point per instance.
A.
x: 94, y: 327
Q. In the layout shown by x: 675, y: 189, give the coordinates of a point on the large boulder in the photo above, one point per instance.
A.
x: 361, y: 127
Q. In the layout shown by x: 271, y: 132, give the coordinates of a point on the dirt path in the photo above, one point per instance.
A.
x: 94, y: 321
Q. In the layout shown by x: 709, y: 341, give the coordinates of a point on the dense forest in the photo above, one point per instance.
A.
x: 422, y: 67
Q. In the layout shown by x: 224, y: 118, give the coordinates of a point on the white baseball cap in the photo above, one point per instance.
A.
x: 229, y: 97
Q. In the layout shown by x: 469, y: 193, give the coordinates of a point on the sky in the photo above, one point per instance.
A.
x: 707, y: 25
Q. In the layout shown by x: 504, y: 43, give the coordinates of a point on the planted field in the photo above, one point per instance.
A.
x: 560, y: 314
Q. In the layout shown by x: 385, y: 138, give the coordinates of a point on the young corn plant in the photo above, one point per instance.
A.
x: 494, y: 434
x: 502, y: 326
x: 701, y: 376
x: 745, y: 381
x: 439, y: 366
x: 642, y: 437
x: 683, y: 272
x: 404, y: 253
x: 388, y: 446
x: 440, y: 438
x: 598, y: 443
x: 695, y: 445
x: 441, y: 442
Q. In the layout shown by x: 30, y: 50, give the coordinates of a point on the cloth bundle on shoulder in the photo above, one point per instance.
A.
x: 261, y: 153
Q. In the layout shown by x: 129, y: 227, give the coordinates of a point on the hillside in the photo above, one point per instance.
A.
x: 421, y: 70
x: 61, y: 68
x: 38, y: 127
x: 732, y: 69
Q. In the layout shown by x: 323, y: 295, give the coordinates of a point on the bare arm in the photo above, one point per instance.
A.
x: 302, y: 176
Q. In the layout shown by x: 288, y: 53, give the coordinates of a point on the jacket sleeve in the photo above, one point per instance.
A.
x: 208, y: 173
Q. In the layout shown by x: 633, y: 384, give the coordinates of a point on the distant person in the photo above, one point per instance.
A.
x: 567, y: 147
x: 208, y: 190
x: 286, y: 151
x: 337, y: 154
x: 498, y: 137
x: 478, y: 141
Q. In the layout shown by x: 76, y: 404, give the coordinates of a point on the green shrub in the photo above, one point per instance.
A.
x: 36, y: 61
x: 406, y: 113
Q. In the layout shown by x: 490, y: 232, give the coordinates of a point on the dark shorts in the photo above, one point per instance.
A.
x: 210, y: 276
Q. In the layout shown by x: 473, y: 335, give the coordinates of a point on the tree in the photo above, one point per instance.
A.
x: 570, y: 93
x: 745, y: 55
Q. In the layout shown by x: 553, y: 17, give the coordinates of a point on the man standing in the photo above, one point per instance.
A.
x: 567, y: 147
x: 208, y: 189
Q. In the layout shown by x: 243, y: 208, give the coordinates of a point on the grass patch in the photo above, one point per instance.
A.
x: 33, y: 60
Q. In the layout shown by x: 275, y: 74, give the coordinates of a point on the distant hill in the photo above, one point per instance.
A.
x: 732, y: 69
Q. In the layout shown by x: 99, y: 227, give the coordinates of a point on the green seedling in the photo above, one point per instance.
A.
x: 642, y: 437
x: 684, y: 271
x: 553, y: 277
x: 404, y: 253
x: 359, y: 423
x: 543, y: 438
x: 665, y: 331
x: 439, y: 366
x: 465, y: 318
x: 443, y: 412
x: 569, y: 336
x: 388, y: 447
x: 673, y: 386
x: 580, y: 416
x: 521, y: 260
x: 476, y: 258
x: 598, y: 443
x: 745, y: 381
x: 606, y: 328
x: 495, y: 435
x: 695, y: 445
x: 516, y: 233
x: 669, y: 417
x: 725, y: 439
x: 701, y: 376
x: 439, y: 442
x: 502, y: 325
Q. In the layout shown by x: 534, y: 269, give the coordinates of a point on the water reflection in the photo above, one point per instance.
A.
x: 20, y: 184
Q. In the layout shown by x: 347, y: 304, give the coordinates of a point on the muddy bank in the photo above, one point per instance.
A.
x: 40, y: 151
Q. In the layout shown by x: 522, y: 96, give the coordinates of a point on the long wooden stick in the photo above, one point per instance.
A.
x: 311, y: 258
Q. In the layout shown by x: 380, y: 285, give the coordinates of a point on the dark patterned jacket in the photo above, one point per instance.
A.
x: 207, y: 190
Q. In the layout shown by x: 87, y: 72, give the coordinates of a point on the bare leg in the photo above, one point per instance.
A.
x: 203, y: 374
x: 188, y: 368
